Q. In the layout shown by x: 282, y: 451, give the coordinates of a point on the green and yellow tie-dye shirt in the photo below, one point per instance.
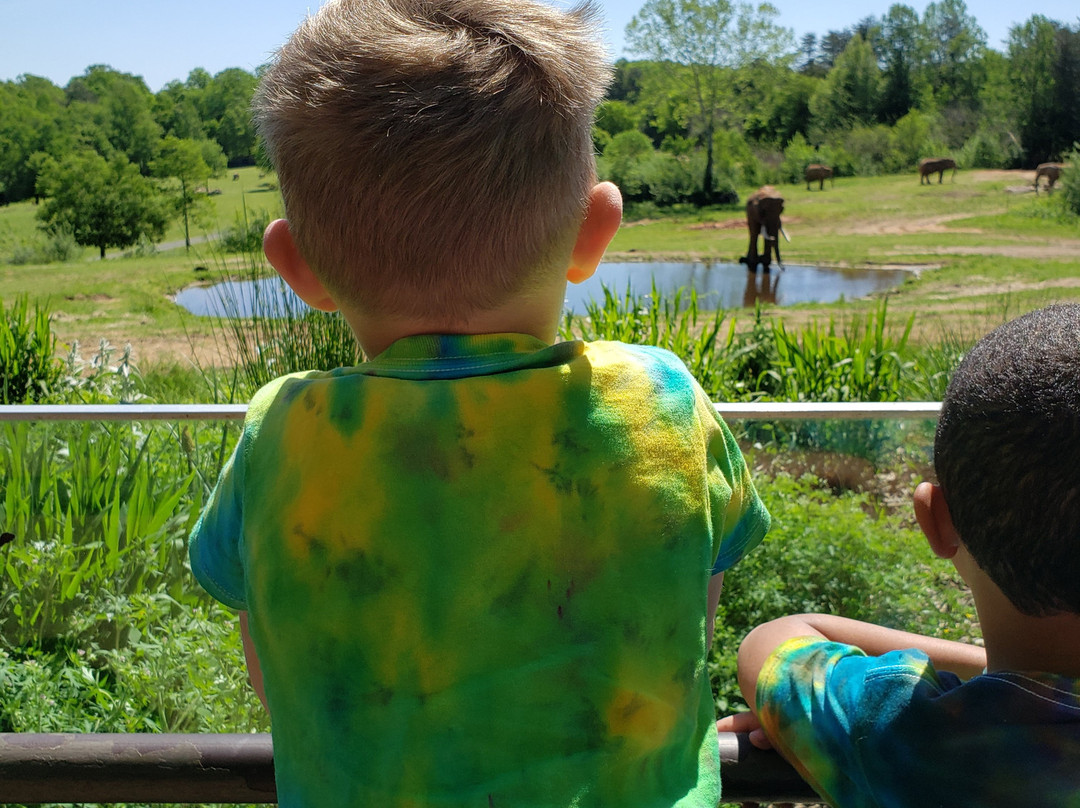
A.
x: 476, y: 572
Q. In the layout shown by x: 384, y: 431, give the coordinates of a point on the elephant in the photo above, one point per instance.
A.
x: 1052, y: 171
x: 929, y: 165
x: 763, y: 209
x: 816, y: 171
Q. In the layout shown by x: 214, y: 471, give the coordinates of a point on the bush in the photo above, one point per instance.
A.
x: 797, y: 156
x: 29, y: 369
x: 52, y: 248
x: 985, y: 150
x: 245, y: 236
x: 1070, y: 182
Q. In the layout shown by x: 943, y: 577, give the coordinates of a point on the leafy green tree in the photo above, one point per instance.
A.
x: 1031, y: 72
x: 709, y: 38
x: 114, y: 112
x: 901, y: 47
x: 955, y: 45
x: 185, y: 160
x: 32, y: 120
x: 101, y: 203
x: 224, y: 104
x: 849, y: 95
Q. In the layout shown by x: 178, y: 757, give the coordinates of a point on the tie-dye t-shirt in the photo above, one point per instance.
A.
x: 891, y: 732
x: 476, y: 572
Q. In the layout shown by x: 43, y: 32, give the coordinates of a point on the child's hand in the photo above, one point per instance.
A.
x: 745, y: 722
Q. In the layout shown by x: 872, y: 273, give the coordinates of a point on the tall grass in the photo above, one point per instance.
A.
x: 268, y: 331
x: 29, y: 369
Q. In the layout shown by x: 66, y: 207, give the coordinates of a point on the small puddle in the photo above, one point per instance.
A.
x: 721, y: 286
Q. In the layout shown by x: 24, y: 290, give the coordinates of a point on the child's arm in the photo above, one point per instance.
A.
x: 254, y: 670
x: 960, y: 658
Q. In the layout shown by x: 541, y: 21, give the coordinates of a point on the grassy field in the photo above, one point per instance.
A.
x: 980, y: 253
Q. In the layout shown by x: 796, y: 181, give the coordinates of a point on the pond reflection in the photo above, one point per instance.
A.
x: 718, y: 286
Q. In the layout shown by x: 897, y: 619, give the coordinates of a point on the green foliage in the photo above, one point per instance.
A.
x: 797, y: 156
x: 850, y: 93
x: 47, y: 248
x: 282, y: 334
x: 29, y: 370
x: 1070, y: 182
x: 859, y: 363
x: 825, y: 554
x: 246, y: 234
x: 675, y: 323
x: 101, y: 203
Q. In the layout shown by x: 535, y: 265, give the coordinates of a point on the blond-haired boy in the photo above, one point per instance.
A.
x: 479, y: 569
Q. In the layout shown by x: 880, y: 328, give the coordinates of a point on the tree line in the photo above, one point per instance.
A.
x: 719, y: 95
x: 722, y: 95
x: 115, y: 162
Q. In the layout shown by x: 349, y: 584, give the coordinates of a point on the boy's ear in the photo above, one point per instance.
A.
x: 932, y: 514
x: 602, y: 220
x: 283, y: 255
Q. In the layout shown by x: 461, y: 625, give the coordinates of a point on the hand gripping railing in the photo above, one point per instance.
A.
x: 104, y: 768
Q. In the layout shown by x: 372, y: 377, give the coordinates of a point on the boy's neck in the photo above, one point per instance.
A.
x: 537, y: 314
x: 1019, y: 642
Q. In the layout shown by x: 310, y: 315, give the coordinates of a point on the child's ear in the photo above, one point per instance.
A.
x: 283, y: 255
x: 602, y: 220
x: 932, y: 514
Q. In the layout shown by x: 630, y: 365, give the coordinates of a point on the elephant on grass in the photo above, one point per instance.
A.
x: 763, y: 209
x: 938, y: 165
x: 816, y: 171
x: 1052, y: 172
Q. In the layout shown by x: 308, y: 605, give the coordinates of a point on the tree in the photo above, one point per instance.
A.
x: 1044, y: 72
x: 115, y: 113
x: 185, y: 160
x: 101, y: 203
x: 955, y: 44
x: 710, y: 38
x: 901, y: 49
x: 849, y: 94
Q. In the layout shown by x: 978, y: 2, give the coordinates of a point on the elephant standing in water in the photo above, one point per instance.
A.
x: 938, y: 165
x: 816, y: 171
x: 763, y: 209
x: 1052, y: 171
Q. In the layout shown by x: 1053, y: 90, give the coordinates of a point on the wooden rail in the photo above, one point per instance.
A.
x: 110, y: 768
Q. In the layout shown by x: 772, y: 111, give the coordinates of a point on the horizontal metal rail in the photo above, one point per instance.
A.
x: 109, y: 768
x: 772, y: 411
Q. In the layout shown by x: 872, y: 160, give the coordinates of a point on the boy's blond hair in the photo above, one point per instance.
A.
x: 434, y: 155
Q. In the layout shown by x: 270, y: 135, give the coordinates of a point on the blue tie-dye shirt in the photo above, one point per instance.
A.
x: 891, y: 732
x: 476, y: 572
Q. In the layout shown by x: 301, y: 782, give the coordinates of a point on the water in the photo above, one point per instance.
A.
x: 722, y: 286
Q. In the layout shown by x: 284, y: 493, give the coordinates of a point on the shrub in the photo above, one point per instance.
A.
x: 29, y: 369
x: 797, y: 156
x: 245, y: 236
x: 1070, y: 182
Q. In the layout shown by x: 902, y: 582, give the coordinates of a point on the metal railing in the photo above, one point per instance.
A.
x: 771, y: 411
x: 239, y: 768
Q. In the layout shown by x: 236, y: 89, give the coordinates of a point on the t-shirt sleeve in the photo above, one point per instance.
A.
x: 817, y: 701
x: 215, y: 546
x: 740, y: 520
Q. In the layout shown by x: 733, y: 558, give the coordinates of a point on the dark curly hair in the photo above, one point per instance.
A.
x: 1007, y: 455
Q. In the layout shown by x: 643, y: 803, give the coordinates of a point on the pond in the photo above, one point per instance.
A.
x: 722, y: 286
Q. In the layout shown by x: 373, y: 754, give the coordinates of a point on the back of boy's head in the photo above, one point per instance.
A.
x: 434, y: 156
x: 1007, y: 456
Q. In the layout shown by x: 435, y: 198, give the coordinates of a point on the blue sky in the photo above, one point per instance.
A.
x: 162, y: 41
